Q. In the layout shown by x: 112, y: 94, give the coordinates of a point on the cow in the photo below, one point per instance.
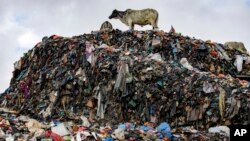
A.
x: 106, y: 26
x: 140, y: 17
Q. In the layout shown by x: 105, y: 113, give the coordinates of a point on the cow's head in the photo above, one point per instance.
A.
x: 116, y: 14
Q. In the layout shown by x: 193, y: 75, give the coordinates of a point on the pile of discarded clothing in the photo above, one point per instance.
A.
x: 23, y: 128
x: 134, y: 76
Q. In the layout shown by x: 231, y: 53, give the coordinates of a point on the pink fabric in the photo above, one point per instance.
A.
x: 25, y: 89
x: 88, y: 51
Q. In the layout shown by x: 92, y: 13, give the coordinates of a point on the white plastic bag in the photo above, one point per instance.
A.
x: 219, y: 129
x: 155, y: 56
x: 186, y: 64
x: 238, y: 62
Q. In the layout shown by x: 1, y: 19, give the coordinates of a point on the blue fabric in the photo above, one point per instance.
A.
x: 122, y: 126
x: 164, y: 129
x: 128, y: 126
x: 108, y: 139
x: 145, y: 128
x: 152, y: 110
x: 21, y: 75
x: 160, y: 83
x: 174, y: 50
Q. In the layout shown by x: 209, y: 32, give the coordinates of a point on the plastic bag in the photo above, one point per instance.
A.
x: 238, y: 62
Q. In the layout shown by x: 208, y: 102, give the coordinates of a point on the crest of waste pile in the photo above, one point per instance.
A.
x: 137, y: 76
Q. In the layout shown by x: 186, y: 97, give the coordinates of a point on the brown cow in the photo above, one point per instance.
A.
x: 141, y: 17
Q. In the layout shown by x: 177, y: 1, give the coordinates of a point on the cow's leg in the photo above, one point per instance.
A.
x: 131, y: 26
x: 155, y: 28
x: 154, y: 25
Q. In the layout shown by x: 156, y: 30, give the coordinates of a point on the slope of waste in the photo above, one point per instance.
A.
x: 139, y: 77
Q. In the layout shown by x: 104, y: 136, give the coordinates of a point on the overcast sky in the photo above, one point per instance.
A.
x: 23, y: 23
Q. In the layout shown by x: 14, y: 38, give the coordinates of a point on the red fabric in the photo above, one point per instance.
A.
x: 54, y: 136
x: 82, y: 129
x: 2, y: 125
x: 214, y: 53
